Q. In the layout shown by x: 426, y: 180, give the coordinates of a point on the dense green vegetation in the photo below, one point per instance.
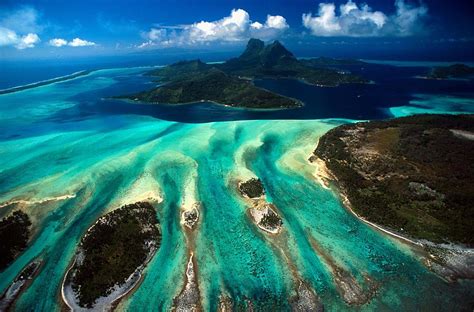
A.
x: 253, y: 188
x: 113, y: 249
x: 14, y: 235
x: 215, y: 86
x: 452, y: 71
x: 275, y: 61
x: 271, y: 220
x: 411, y: 174
x: 181, y: 70
x: 230, y: 83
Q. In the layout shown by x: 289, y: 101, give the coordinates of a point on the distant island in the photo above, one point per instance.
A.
x: 213, y: 85
x: 413, y: 175
x: 230, y: 83
x: 452, y: 71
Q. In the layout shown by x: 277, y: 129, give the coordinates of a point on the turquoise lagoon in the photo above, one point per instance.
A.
x: 67, y: 157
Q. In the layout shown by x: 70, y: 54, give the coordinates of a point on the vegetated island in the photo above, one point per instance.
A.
x: 19, y: 284
x: 263, y: 213
x: 252, y: 188
x: 111, y: 257
x: 231, y: 83
x: 45, y: 82
x: 216, y: 86
x: 14, y: 236
x: 452, y: 71
x: 412, y: 175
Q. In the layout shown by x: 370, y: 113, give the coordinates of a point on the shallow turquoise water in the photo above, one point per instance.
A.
x: 96, y: 160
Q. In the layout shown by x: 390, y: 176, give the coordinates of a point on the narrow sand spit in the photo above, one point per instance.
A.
x: 37, y: 201
x: 189, y: 297
x: 144, y: 189
x: 463, y: 134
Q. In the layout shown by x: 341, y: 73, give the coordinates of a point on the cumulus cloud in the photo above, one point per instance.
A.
x: 76, y: 42
x: 10, y: 38
x: 7, y: 37
x: 57, y: 42
x: 276, y: 21
x: 356, y: 20
x: 236, y: 27
x: 18, y: 28
x: 28, y: 41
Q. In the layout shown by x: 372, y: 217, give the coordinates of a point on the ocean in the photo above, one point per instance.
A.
x: 69, y: 153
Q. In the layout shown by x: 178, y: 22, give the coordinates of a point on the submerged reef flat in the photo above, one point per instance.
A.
x: 306, y: 300
x: 411, y: 174
x: 189, y: 298
x: 351, y: 290
x: 14, y: 236
x: 111, y: 256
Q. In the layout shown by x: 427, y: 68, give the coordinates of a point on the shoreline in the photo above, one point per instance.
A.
x: 45, y: 82
x: 323, y: 174
x: 19, y: 285
x: 450, y: 261
x: 138, y: 101
x: 133, y: 280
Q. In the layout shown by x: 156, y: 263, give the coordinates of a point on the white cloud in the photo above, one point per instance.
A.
x: 407, y: 17
x: 28, y: 41
x: 256, y: 25
x: 57, y: 42
x: 22, y: 20
x: 276, y: 21
x: 156, y: 34
x: 10, y: 38
x: 236, y: 27
x: 361, y: 21
x: 7, y: 37
x: 230, y: 28
x: 18, y: 28
x: 77, y: 42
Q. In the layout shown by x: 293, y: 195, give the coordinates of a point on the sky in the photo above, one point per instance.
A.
x: 48, y: 28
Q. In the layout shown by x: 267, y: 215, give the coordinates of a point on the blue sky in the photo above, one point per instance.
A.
x: 47, y: 28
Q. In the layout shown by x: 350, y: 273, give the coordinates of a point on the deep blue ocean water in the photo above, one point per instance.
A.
x: 393, y: 87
